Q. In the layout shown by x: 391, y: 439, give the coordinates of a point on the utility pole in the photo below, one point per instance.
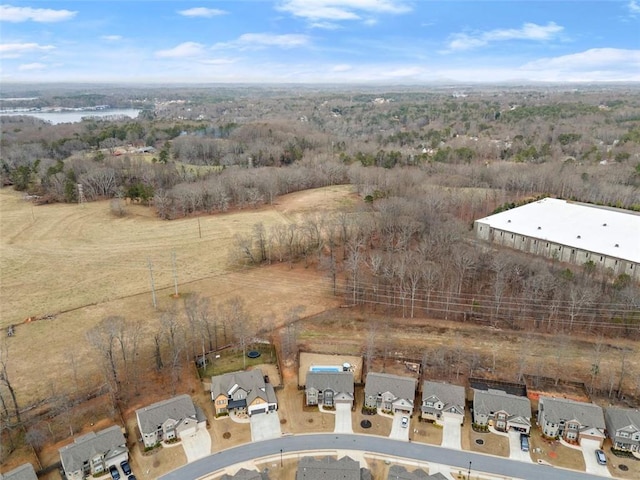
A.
x: 175, y: 272
x: 469, y: 472
x: 153, y: 288
x: 199, y: 228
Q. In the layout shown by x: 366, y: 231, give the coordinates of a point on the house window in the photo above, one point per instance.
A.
x: 636, y: 437
x: 512, y: 235
x: 600, y: 257
x: 623, y: 434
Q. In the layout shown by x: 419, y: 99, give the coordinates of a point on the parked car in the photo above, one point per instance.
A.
x: 131, y: 477
x: 115, y: 474
x: 405, y: 422
x: 601, y: 457
x: 524, y: 442
x: 125, y: 467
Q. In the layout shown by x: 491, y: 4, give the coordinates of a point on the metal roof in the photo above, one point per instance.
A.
x: 607, y: 231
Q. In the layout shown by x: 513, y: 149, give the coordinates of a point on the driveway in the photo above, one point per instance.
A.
x: 265, y: 426
x: 197, y: 446
x: 515, y: 452
x: 451, y: 434
x: 343, y: 418
x: 589, y: 448
x: 397, y: 431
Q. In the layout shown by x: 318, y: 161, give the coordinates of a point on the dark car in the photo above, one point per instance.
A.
x: 115, y: 474
x: 125, y: 467
x: 131, y: 477
x: 524, y: 442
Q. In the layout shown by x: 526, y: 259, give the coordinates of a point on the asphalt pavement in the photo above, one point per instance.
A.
x: 461, y: 460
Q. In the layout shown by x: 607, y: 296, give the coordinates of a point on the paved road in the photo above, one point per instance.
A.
x: 368, y: 443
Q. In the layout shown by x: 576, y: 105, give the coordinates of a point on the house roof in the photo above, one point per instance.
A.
x: 244, y: 474
x: 401, y: 387
x: 556, y: 410
x: 251, y: 381
x: 490, y: 401
x: 620, y: 418
x: 445, y: 392
x: 23, y: 472
x: 90, y: 445
x: 603, y: 230
x: 398, y: 472
x: 176, y: 408
x: 340, y: 382
x: 328, y: 468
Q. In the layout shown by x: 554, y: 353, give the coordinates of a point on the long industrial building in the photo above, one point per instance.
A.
x: 569, y: 232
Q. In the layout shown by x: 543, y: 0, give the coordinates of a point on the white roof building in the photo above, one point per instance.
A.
x: 570, y: 231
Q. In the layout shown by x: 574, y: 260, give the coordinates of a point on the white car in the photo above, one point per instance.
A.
x: 405, y: 422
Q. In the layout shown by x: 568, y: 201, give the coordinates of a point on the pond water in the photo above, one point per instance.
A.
x: 74, y: 116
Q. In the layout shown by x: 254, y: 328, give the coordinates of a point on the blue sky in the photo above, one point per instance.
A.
x: 319, y: 41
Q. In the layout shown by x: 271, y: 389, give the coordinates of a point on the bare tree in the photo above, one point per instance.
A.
x: 5, y: 381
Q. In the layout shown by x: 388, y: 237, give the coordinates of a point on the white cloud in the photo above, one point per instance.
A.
x: 634, y: 7
x: 15, y: 50
x: 341, y: 68
x: 219, y: 61
x: 337, y: 10
x: 30, y: 67
x: 262, y: 40
x: 594, y: 59
x: 9, y: 13
x: 529, y: 31
x: 202, y: 12
x: 186, y: 49
x: 112, y: 38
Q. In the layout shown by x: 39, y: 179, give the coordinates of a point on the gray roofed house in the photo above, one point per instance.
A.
x: 623, y: 428
x: 329, y: 388
x: 501, y: 410
x: 243, y: 391
x: 328, y: 468
x: 391, y: 393
x: 23, y: 472
x: 571, y: 420
x: 441, y: 400
x: 244, y: 474
x: 398, y: 472
x: 93, y: 453
x: 169, y: 419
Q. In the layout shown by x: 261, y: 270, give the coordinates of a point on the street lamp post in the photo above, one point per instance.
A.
x: 280, y: 458
x: 469, y: 472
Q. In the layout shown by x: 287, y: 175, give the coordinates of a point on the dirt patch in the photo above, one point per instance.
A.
x: 308, y: 360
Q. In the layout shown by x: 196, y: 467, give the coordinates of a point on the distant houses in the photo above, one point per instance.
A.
x: 442, y: 400
x: 501, y: 410
x: 623, y: 428
x: 571, y: 420
x: 329, y: 388
x: 243, y: 392
x: 329, y: 468
x: 92, y: 454
x: 23, y: 472
x: 390, y: 393
x: 169, y: 419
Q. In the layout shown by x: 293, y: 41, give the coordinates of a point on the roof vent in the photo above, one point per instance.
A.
x: 539, y: 228
x: 604, y: 224
x: 508, y: 221
x: 578, y: 236
x: 617, y: 245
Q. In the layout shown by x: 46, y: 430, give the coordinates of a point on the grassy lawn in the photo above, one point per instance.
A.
x: 233, y: 359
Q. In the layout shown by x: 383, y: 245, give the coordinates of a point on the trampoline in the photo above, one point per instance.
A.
x: 253, y: 354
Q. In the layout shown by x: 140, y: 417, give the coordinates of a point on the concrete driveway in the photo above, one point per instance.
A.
x: 197, y: 446
x: 451, y: 434
x: 265, y: 426
x: 343, y: 418
x: 589, y: 448
x: 397, y: 431
x: 515, y: 451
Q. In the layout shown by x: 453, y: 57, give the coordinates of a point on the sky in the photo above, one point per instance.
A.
x: 409, y: 42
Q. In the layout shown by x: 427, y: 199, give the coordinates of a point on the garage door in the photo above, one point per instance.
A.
x: 258, y: 410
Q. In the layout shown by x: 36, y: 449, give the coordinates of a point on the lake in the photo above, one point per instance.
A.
x: 73, y: 116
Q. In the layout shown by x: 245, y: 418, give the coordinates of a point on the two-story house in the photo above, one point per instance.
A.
x: 329, y: 468
x: 571, y: 420
x: 23, y: 472
x: 329, y: 388
x: 623, y: 428
x: 243, y: 392
x: 390, y: 393
x: 92, y: 454
x: 174, y: 418
x: 442, y: 400
x: 399, y: 472
x: 501, y: 410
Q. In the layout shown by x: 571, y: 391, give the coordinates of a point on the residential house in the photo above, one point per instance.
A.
x: 23, y: 472
x: 243, y: 392
x: 170, y: 419
x: 93, y: 453
x: 329, y: 388
x: 623, y: 428
x: 442, y: 400
x: 390, y: 393
x: 398, y: 472
x: 571, y: 420
x: 501, y: 410
x: 328, y: 468
x: 244, y: 474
